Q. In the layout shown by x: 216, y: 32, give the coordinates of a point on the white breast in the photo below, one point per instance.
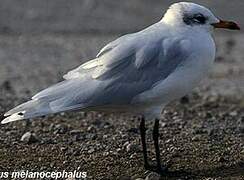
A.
x: 185, y: 78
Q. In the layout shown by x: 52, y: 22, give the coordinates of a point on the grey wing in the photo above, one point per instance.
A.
x: 140, y: 70
x: 80, y: 87
x: 117, y: 75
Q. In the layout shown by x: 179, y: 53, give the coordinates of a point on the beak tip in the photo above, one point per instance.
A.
x: 227, y: 25
x: 234, y: 26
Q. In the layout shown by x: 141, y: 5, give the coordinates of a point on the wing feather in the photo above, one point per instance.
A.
x: 123, y: 69
x: 130, y: 69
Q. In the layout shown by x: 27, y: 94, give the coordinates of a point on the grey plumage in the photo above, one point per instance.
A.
x: 123, y: 69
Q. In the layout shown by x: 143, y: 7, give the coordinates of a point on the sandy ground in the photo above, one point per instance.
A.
x: 201, y: 136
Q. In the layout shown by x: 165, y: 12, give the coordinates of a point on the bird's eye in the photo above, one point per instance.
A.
x: 196, y: 19
x: 200, y: 19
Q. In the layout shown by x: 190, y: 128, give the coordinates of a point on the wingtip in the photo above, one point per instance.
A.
x: 11, y: 118
x: 8, y: 113
x: 4, y: 121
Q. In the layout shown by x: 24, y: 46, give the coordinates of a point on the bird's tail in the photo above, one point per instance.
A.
x: 30, y: 109
x: 55, y: 99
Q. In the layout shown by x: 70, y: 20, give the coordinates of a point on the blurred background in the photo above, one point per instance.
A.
x: 43, y: 39
x: 40, y: 40
x: 94, y: 16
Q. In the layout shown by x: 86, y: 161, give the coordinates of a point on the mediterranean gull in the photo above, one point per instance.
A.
x: 138, y: 73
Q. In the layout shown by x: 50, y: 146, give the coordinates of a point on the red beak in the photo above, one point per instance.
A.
x: 226, y: 25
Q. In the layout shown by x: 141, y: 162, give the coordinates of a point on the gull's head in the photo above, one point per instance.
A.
x: 186, y: 14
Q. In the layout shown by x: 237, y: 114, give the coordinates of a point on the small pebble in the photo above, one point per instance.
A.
x: 105, y: 154
x: 133, y: 156
x: 91, y: 150
x: 91, y: 129
x: 233, y: 113
x: 105, y: 136
x: 196, y: 138
x: 29, y: 138
x: 153, y: 176
x: 91, y: 136
x: 75, y: 132
x: 163, y: 124
x: 132, y: 147
x: 63, y: 149
x: 119, y: 150
x: 60, y: 129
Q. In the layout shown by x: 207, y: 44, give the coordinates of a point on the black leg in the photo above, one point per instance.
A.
x: 160, y: 169
x: 143, y: 141
x: 155, y: 139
